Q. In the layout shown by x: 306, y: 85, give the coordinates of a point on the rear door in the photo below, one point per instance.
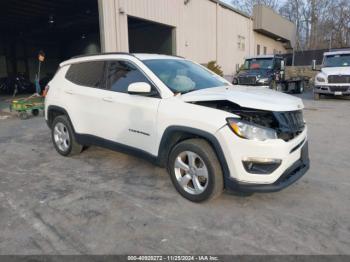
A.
x: 128, y: 119
x: 81, y: 94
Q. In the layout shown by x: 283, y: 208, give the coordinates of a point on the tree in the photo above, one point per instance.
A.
x: 293, y: 10
x: 320, y: 24
x: 247, y: 5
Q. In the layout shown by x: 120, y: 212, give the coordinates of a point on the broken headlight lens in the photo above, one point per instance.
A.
x: 251, y: 131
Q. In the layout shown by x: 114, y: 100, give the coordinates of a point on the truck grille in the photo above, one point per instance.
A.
x: 247, y: 80
x: 338, y: 88
x: 339, y: 79
x: 291, y: 124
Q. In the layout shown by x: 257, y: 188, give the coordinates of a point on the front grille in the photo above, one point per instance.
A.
x: 291, y: 124
x: 247, y: 80
x: 339, y: 79
x: 338, y: 88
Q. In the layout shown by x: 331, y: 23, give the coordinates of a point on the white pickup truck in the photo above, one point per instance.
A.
x: 334, y: 77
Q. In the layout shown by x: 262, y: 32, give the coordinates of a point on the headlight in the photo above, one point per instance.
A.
x: 251, y: 131
x: 320, y: 79
x: 235, y: 81
x: 263, y: 80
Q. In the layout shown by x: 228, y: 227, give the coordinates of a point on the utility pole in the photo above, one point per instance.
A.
x: 330, y: 40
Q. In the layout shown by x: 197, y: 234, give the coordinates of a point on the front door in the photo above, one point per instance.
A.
x: 125, y: 118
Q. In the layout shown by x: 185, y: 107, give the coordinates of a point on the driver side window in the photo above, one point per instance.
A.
x: 120, y: 74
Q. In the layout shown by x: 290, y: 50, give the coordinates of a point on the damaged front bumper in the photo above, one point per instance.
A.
x: 290, y: 176
x: 293, y: 156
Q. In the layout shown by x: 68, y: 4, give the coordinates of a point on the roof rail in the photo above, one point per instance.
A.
x: 97, y: 54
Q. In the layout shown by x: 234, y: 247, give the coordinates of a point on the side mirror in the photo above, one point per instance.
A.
x: 139, y: 88
x: 314, y: 65
x: 282, y: 65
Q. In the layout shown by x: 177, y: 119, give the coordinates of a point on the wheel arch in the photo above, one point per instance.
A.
x: 175, y: 134
x: 53, y: 112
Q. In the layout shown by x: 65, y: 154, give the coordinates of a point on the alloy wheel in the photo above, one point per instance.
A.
x: 61, y: 137
x: 191, y: 172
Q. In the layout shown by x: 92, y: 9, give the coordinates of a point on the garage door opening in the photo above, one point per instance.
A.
x: 150, y: 37
x: 61, y: 29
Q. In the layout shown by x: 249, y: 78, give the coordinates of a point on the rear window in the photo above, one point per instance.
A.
x: 86, y: 74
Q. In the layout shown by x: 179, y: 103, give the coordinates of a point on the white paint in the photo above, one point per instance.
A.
x: 112, y: 115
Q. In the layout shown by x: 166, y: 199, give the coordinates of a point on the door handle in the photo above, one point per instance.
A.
x: 107, y: 99
x: 69, y: 92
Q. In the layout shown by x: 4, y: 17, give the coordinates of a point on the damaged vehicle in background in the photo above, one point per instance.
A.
x: 208, y: 134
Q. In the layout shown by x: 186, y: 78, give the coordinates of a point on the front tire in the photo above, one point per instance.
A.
x: 63, y: 137
x: 23, y: 115
x: 195, y: 170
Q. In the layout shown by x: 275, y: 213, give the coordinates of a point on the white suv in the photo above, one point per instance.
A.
x: 209, y: 134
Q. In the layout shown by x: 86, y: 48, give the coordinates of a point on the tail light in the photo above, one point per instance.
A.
x: 46, y: 90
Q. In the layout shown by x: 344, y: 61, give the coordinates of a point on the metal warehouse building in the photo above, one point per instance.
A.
x: 201, y: 30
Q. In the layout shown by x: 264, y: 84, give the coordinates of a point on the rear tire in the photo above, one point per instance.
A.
x: 195, y: 170
x: 35, y: 112
x: 63, y: 137
x: 301, y: 87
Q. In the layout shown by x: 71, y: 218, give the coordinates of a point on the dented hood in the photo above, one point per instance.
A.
x: 247, y: 96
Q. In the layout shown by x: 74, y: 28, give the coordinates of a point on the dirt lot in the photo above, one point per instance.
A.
x: 103, y: 202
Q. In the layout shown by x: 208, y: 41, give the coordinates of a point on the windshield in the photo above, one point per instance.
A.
x: 183, y: 76
x: 258, y: 63
x: 336, y: 60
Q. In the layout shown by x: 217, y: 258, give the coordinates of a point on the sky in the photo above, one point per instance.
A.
x: 226, y: 1
x: 230, y: 1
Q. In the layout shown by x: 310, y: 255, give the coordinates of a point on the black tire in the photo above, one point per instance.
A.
x: 74, y: 148
x: 204, y: 150
x: 23, y: 115
x: 317, y: 96
x: 273, y: 85
x: 35, y: 112
x: 85, y: 148
x: 300, y: 88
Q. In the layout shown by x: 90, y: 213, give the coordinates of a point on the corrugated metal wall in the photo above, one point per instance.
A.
x: 232, y: 25
x: 205, y: 30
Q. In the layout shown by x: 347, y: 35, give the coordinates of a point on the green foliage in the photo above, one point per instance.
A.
x: 213, y: 66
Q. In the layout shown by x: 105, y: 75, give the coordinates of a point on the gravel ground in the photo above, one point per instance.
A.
x: 103, y: 202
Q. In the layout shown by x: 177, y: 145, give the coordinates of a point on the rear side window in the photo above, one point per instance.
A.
x: 120, y: 74
x: 86, y: 74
